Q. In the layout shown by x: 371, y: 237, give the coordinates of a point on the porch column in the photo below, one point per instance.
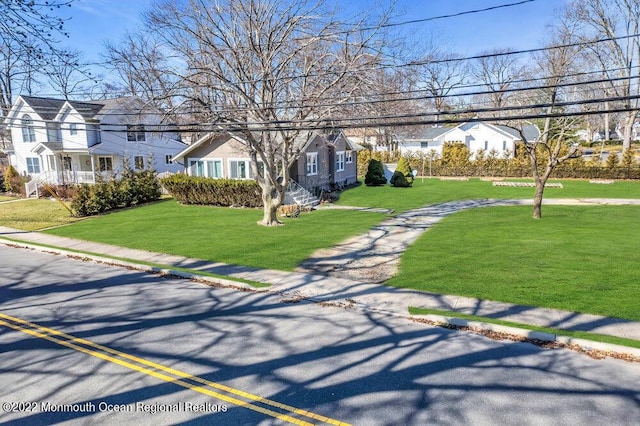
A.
x: 93, y: 169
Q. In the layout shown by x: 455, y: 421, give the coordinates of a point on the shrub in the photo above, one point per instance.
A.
x: 132, y: 189
x: 403, y: 176
x: 375, y: 174
x: 218, y: 192
x: 12, y: 180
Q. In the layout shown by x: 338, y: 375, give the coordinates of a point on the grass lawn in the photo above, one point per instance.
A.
x: 576, y: 258
x: 436, y: 191
x: 581, y: 259
x: 7, y: 198
x: 222, y: 234
x: 34, y: 214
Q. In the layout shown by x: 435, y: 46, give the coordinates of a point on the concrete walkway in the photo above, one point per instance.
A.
x: 374, y: 257
x: 330, y: 277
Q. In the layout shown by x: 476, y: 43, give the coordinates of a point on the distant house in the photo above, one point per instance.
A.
x: 475, y: 135
x: 375, y: 139
x: 59, y: 141
x: 327, y: 160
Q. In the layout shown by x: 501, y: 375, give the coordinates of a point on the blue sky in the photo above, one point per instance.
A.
x: 92, y: 22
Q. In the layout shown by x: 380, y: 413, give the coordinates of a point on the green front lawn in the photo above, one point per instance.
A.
x: 222, y: 234
x: 582, y: 259
x: 430, y: 191
x: 576, y: 258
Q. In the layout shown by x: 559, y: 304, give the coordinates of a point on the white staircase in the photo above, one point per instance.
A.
x: 31, y: 187
x: 296, y: 194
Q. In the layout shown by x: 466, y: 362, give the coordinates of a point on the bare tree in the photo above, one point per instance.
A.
x: 617, y: 23
x: 29, y: 33
x: 498, y: 71
x: 440, y: 73
x: 279, y: 69
x: 552, y: 148
x: 67, y: 74
x: 143, y: 70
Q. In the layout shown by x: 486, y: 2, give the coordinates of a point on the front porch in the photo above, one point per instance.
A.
x: 66, y: 168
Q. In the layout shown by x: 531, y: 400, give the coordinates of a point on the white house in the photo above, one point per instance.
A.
x: 58, y: 141
x: 475, y: 135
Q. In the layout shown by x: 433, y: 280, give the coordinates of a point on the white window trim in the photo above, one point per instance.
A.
x: 312, y: 159
x: 205, y: 168
x: 105, y: 156
x: 247, y: 166
x: 28, y: 129
x: 348, y: 157
x: 136, y: 133
x: 135, y: 165
x: 340, y: 161
x: 35, y: 161
x: 214, y: 160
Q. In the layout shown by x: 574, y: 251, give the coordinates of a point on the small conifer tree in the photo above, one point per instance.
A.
x: 375, y: 174
x: 403, y: 176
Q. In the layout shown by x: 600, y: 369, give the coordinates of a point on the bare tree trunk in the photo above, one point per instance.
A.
x: 271, y: 202
x: 628, y: 129
x: 537, y: 199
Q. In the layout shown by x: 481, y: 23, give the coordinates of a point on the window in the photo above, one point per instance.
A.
x: 168, y: 159
x: 214, y: 169
x: 66, y: 163
x: 196, y: 168
x: 206, y: 168
x: 486, y: 145
x: 340, y: 161
x: 348, y: 157
x: 135, y: 133
x: 73, y: 129
x: 504, y: 145
x: 105, y: 164
x: 312, y: 163
x: 138, y: 162
x: 424, y: 145
x: 33, y: 165
x: 28, y: 131
x: 238, y: 169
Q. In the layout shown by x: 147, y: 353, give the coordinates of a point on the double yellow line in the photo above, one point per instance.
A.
x: 225, y: 393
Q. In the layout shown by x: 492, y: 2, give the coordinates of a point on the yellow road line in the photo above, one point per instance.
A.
x: 73, y: 343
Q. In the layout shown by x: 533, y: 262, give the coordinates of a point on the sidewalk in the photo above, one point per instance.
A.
x: 346, y: 292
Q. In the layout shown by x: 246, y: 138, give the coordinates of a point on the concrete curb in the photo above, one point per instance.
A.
x: 530, y: 335
x: 131, y: 265
x: 584, y: 344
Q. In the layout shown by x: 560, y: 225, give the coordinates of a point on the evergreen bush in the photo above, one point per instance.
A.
x: 403, y: 176
x: 131, y: 189
x: 375, y: 174
x: 217, y: 192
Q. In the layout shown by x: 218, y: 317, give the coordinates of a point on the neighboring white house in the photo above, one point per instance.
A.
x: 475, y: 135
x: 58, y: 141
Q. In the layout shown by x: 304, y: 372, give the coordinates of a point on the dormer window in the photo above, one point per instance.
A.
x: 73, y: 129
x: 28, y: 130
x: 135, y: 133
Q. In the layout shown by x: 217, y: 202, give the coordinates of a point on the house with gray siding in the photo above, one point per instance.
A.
x: 327, y: 160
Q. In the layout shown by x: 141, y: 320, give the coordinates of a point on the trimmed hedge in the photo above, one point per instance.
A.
x: 216, y: 192
x: 132, y: 189
x: 490, y: 163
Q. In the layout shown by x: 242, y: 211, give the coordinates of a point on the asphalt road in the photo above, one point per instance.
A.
x: 82, y: 343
